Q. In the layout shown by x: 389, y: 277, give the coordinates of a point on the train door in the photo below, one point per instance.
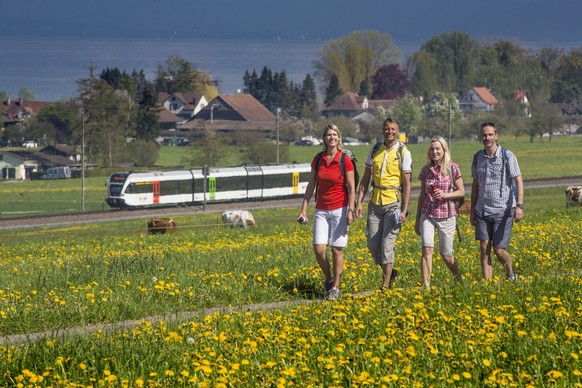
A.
x: 295, y: 183
x: 212, y: 187
x: 156, y: 187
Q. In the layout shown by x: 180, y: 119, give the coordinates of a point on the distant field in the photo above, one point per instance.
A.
x: 557, y: 158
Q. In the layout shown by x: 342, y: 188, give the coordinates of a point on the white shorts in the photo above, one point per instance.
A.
x: 446, y: 231
x: 330, y: 227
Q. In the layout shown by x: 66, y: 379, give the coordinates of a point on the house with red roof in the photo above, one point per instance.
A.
x: 183, y: 105
x: 478, y: 99
x: 18, y: 111
x: 240, y: 114
x: 349, y: 104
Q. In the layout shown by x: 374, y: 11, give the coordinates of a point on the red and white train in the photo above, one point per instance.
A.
x: 126, y: 190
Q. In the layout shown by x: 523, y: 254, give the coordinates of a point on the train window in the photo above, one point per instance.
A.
x: 278, y: 180
x: 175, y: 187
x: 255, y: 182
x: 115, y: 190
x: 139, y: 188
x: 231, y: 183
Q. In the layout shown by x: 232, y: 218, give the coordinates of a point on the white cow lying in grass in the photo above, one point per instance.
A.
x: 238, y: 218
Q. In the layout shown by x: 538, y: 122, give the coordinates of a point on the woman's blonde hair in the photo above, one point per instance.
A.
x: 446, y: 160
x: 339, y: 134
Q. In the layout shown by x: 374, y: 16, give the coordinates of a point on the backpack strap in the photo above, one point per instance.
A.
x: 451, y: 186
x: 317, y: 164
x: 342, y: 165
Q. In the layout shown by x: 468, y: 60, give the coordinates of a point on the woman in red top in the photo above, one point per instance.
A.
x: 334, y: 207
x: 436, y: 209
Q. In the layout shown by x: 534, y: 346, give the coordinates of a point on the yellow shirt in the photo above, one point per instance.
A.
x: 387, y: 184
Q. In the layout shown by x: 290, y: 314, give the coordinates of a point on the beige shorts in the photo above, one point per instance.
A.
x: 446, y: 232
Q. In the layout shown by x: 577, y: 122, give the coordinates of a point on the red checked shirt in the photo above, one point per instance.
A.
x: 433, y: 179
x: 332, y: 191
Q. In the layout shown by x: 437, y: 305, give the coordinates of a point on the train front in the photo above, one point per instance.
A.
x: 115, y: 190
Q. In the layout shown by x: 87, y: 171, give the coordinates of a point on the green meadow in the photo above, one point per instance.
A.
x: 215, y: 306
x: 558, y: 158
x: 106, y: 305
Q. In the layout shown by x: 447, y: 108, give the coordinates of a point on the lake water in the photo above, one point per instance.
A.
x: 49, y: 67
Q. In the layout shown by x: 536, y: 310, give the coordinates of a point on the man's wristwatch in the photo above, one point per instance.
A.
x: 520, y: 205
x: 351, y: 209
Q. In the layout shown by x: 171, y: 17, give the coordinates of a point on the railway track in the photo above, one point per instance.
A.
x: 111, y: 215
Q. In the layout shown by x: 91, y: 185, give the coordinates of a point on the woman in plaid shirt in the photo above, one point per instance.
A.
x: 441, y: 184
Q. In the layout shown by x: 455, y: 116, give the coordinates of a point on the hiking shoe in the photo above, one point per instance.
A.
x: 328, y: 285
x: 512, y: 277
x: 393, y: 277
x: 333, y: 294
x: 458, y: 279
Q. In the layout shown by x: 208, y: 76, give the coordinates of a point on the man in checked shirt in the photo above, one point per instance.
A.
x: 496, y: 200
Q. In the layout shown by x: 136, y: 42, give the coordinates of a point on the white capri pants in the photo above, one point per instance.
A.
x: 446, y: 231
x: 330, y: 227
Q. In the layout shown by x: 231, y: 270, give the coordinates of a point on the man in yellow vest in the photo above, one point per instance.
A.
x: 389, y: 171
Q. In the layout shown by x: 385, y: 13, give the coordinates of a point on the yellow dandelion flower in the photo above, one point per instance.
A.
x: 554, y: 374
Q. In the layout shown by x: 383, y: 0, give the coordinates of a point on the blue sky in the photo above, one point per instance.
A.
x: 404, y: 20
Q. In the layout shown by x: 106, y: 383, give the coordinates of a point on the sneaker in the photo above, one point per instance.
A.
x: 334, y: 294
x: 512, y: 277
x: 328, y: 285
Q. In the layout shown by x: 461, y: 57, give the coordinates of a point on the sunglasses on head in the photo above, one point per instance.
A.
x: 488, y: 124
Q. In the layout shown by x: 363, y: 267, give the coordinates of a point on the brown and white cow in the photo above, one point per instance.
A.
x: 161, y: 225
x: 574, y: 196
x: 238, y: 218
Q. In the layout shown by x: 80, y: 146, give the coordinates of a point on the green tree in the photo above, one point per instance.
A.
x: 266, y: 153
x: 63, y: 118
x: 26, y: 95
x: 548, y: 59
x: 456, y: 57
x: 309, y: 98
x: 208, y: 151
x: 365, y: 89
x: 546, y: 118
x: 107, y: 113
x: 143, y: 153
x: 408, y: 111
x: 179, y: 75
x: 512, y: 116
x: 332, y: 91
x: 567, y: 86
x: 422, y: 67
x: 355, y: 57
x: 441, y: 114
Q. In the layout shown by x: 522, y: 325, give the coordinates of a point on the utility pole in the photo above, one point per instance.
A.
x: 82, y: 160
x: 278, y: 112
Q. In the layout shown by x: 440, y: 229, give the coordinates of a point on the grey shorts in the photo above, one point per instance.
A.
x: 381, y: 231
x: 494, y: 227
x: 446, y: 231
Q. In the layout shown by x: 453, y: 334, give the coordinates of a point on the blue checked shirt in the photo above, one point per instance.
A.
x: 495, y: 182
